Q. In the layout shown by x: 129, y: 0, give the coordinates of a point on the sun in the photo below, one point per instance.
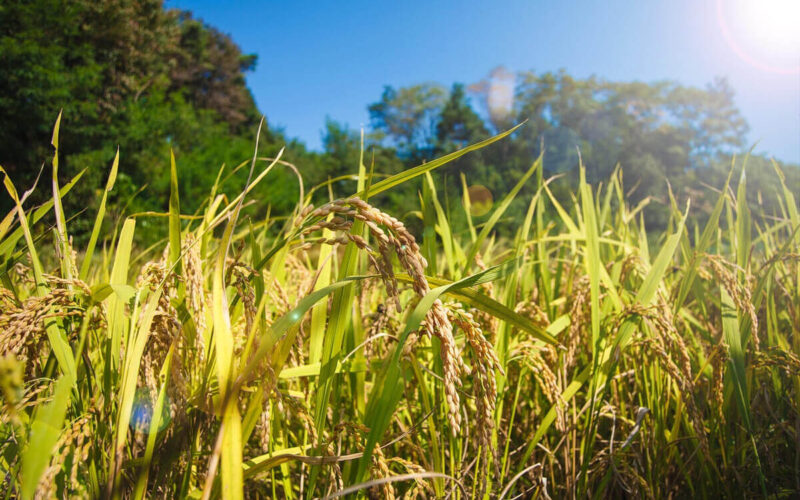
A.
x: 764, y: 33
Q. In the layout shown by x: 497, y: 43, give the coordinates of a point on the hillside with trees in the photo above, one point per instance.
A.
x: 135, y: 75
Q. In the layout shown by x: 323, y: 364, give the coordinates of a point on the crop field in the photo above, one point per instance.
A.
x: 333, y: 353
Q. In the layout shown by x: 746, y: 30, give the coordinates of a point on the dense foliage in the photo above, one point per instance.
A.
x: 334, y: 352
x: 656, y: 132
x: 134, y: 75
x: 128, y: 74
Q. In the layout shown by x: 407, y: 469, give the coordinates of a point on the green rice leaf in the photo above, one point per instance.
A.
x: 46, y: 428
x: 98, y: 221
x: 409, y: 174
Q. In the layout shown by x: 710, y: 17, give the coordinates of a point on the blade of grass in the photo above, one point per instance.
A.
x: 46, y: 428
x: 116, y: 305
x: 98, y: 221
x: 388, y: 387
x: 66, y: 262
x: 8, y: 244
x: 499, y: 211
x: 231, y: 431
x: 155, y: 426
x: 127, y: 387
x: 55, y: 335
x: 409, y: 174
x: 174, y: 213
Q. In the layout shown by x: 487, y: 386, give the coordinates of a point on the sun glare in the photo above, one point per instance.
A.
x: 765, y: 33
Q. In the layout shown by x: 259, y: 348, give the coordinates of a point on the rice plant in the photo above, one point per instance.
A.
x: 334, y: 353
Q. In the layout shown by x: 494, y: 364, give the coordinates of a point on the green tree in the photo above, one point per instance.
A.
x: 126, y: 73
x: 407, y: 118
x: 677, y: 127
x: 459, y: 126
x: 210, y: 72
x: 341, y: 158
x: 655, y: 131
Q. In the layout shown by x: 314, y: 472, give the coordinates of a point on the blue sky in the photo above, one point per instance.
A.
x: 319, y: 59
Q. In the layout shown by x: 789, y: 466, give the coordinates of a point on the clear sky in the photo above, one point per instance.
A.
x: 319, y: 59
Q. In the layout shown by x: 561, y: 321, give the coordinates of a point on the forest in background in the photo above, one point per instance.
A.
x: 135, y: 75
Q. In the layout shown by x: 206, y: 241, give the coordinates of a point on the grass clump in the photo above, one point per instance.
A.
x: 334, y: 353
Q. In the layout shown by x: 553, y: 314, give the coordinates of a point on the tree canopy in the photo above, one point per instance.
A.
x: 126, y: 73
x: 655, y: 131
x: 135, y: 75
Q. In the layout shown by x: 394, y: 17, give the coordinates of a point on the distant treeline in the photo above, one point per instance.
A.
x: 133, y: 74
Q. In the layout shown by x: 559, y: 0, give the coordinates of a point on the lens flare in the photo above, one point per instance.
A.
x: 500, y: 95
x: 763, y: 33
x: 142, y: 414
x: 480, y: 200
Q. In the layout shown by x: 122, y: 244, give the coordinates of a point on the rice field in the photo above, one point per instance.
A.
x: 333, y: 353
